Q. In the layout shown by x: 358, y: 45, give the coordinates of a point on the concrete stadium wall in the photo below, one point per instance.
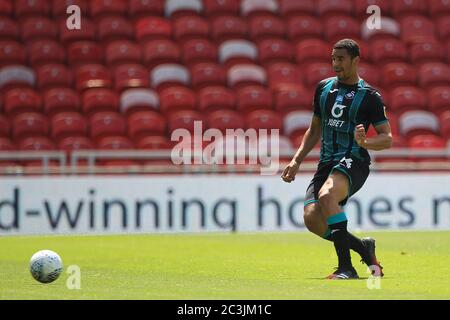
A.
x: 209, y: 203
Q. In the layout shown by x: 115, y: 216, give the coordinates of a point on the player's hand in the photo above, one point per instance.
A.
x: 360, y: 135
x: 290, y: 171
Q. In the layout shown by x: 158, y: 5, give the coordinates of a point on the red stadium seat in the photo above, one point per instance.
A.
x: 36, y: 144
x: 407, y: 98
x: 228, y: 28
x: 121, y: 52
x: 98, y: 100
x: 154, y: 143
x: 153, y: 28
x: 115, y: 143
x: 179, y: 8
x: 5, y: 126
x: 6, y: 145
x: 445, y: 124
x: 75, y: 143
x: 131, y: 76
x: 292, y: 98
x: 389, y: 29
x: 402, y: 8
x: 329, y: 8
x: 216, y: 98
x: 243, y: 75
x: 53, y: 75
x: 9, y: 29
x: 6, y: 8
x: 313, y: 50
x: 275, y: 50
x: 207, y: 74
x: 280, y: 74
x: 166, y: 75
x: 184, y: 119
x: 296, y: 123
x: 114, y: 28
x: 16, y: 76
x: 316, y: 72
x: 254, y: 98
x: 92, y: 76
x: 418, y: 122
x: 177, y: 98
x: 251, y: 8
x: 11, y: 52
x: 369, y: 73
x: 388, y: 50
x: 27, y: 8
x: 145, y: 8
x: 417, y: 29
x: 443, y: 28
x: 263, y: 119
x: 341, y: 27
x: 84, y: 52
x: 398, y: 74
x: 434, y: 74
x: 225, y: 119
x: 61, y: 100
x: 21, y: 100
x: 266, y: 27
x: 146, y: 123
x: 290, y: 8
x: 439, y: 8
x: 59, y: 8
x: 29, y: 124
x: 213, y: 8
x: 136, y: 100
x: 199, y: 50
x: 39, y: 28
x: 102, y: 8
x: 439, y: 99
x: 190, y: 27
x: 303, y: 28
x: 234, y: 52
x: 46, y: 51
x: 161, y: 51
x: 85, y: 33
x: 67, y: 124
x: 431, y: 51
x: 428, y: 141
x: 102, y: 124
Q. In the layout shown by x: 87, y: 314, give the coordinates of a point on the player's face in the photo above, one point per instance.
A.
x: 343, y: 64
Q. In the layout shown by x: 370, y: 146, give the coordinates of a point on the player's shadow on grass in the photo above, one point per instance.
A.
x: 322, y: 278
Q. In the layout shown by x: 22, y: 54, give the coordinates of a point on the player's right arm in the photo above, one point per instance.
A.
x: 310, y: 139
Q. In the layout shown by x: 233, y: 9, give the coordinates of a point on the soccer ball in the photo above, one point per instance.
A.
x: 46, y: 266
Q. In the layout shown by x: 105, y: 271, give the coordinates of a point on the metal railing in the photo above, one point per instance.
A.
x: 86, y: 162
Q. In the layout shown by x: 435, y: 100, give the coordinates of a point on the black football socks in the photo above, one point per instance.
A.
x: 355, y: 243
x: 338, y: 232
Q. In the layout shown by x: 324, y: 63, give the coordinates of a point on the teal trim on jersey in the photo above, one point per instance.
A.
x: 380, y: 122
x: 354, y: 108
x: 311, y: 201
x: 326, y: 234
x: 325, y: 148
x: 339, y: 217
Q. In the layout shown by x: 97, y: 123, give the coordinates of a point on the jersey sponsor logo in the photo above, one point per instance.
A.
x: 338, y: 110
x: 350, y: 95
x: 335, y: 123
x: 346, y: 162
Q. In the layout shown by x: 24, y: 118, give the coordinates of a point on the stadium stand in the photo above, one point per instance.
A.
x: 137, y: 70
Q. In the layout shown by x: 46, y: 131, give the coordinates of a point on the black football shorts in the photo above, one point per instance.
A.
x: 356, y: 170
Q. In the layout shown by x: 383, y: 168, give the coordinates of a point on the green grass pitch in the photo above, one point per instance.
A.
x: 225, y: 266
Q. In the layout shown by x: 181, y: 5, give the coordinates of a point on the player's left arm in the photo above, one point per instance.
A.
x: 376, y: 112
x: 383, y: 139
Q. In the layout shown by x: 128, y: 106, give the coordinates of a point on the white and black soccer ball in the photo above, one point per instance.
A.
x: 46, y: 266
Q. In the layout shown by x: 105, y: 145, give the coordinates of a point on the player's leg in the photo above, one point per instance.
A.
x: 333, y: 192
